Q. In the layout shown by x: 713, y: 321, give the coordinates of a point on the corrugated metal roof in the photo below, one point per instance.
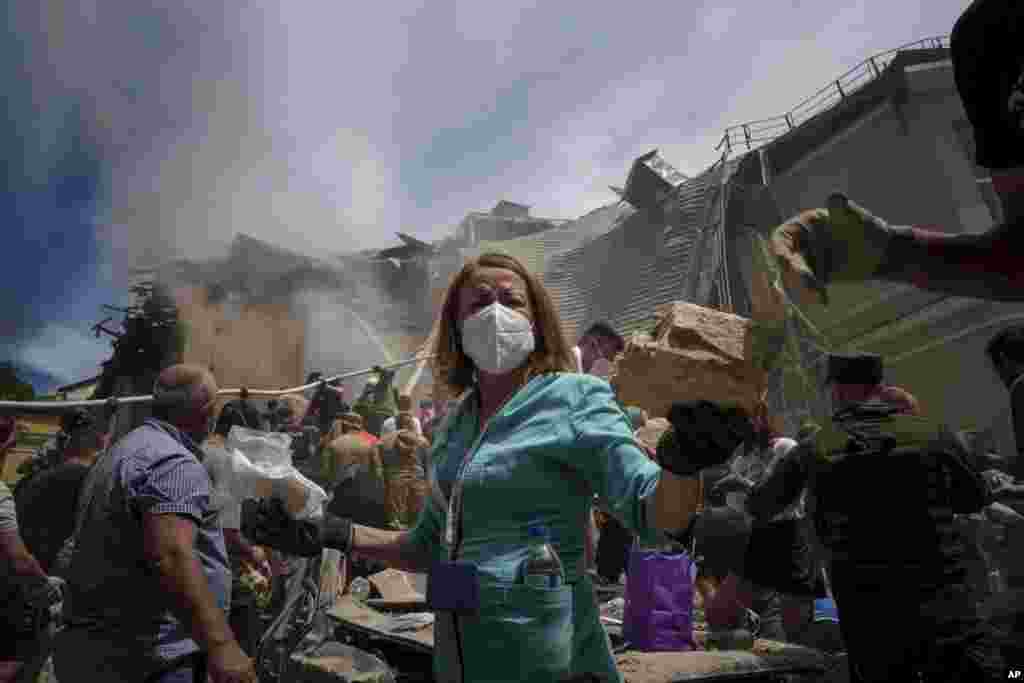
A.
x: 616, y: 263
x: 624, y: 275
x: 536, y: 250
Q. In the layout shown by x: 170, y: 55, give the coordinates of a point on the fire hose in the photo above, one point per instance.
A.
x: 115, y: 401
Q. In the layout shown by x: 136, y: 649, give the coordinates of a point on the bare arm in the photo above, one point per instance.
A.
x: 168, y: 542
x: 392, y: 547
x: 16, y: 558
x: 674, y: 502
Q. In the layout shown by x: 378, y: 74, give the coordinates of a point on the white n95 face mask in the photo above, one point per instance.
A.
x: 498, y: 339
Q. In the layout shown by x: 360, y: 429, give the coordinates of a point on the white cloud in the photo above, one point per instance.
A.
x: 304, y: 124
x: 68, y: 353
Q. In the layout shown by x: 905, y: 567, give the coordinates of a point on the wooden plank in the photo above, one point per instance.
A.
x: 768, y: 657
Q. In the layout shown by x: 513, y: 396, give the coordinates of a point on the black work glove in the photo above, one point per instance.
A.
x: 720, y: 535
x: 732, y: 483
x: 267, y: 523
x: 703, y: 435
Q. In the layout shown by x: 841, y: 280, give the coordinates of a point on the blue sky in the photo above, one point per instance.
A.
x: 155, y: 133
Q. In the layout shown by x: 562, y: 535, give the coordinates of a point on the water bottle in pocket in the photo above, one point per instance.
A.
x: 542, y: 567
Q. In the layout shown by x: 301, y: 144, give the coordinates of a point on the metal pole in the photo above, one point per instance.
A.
x: 54, y: 406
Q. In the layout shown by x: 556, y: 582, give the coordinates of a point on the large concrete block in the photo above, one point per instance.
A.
x: 695, y: 353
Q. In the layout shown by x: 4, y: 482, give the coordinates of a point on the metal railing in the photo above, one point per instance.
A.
x: 754, y: 134
x: 6, y: 407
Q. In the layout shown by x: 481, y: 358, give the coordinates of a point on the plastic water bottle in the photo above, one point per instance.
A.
x: 542, y: 567
x: 360, y: 589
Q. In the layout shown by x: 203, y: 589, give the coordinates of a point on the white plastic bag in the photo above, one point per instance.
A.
x: 224, y: 498
x: 259, y: 465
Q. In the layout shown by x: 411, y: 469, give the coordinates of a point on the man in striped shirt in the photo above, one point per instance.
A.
x: 149, y: 580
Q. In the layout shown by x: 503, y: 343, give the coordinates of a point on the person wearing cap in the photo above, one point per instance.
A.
x: 896, y: 558
x: 149, y: 579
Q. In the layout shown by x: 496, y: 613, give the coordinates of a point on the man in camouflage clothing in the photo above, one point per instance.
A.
x: 884, y: 487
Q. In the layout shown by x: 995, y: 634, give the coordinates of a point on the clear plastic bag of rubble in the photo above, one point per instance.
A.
x: 255, y: 464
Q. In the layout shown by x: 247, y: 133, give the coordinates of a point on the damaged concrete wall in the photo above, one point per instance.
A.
x: 259, y: 345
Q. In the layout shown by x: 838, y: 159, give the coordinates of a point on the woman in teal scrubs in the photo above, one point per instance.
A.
x: 530, y: 442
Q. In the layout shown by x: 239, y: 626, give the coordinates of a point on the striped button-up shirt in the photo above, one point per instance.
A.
x: 154, y: 469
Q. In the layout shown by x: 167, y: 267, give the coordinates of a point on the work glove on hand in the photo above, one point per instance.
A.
x: 732, y: 483
x: 843, y: 243
x: 703, y: 435
x: 267, y: 523
x: 722, y: 532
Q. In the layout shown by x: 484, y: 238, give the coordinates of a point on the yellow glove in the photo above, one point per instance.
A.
x: 843, y: 243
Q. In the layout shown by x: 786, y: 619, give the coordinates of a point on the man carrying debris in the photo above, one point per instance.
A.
x: 846, y: 243
x: 149, y: 578
x: 898, y: 574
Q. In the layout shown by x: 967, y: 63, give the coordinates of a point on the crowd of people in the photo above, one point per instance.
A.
x: 143, y: 550
x: 906, y: 525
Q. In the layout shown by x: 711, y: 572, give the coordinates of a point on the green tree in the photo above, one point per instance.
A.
x: 12, y: 388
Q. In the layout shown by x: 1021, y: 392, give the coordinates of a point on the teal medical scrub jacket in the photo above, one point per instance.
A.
x: 558, y: 441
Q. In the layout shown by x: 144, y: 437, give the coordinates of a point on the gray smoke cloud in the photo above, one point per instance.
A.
x: 213, y: 120
x: 203, y: 135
